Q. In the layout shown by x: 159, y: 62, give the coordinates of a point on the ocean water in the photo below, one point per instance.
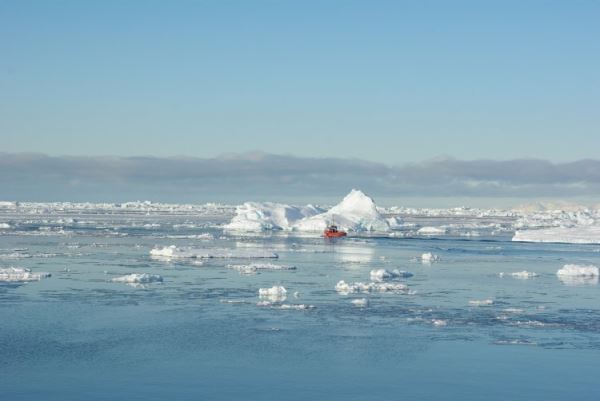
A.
x: 204, y: 333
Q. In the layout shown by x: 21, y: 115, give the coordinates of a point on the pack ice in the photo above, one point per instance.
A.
x: 357, y: 212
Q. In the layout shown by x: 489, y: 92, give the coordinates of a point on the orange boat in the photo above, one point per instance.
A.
x: 333, y: 232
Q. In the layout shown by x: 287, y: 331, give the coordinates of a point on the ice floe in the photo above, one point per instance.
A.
x: 481, y: 302
x: 349, y: 288
x: 19, y: 274
x: 429, y: 257
x: 574, y: 275
x: 360, y: 302
x: 173, y: 252
x: 254, y: 267
x: 276, y: 293
x: 138, y: 278
x: 381, y: 275
x: 523, y: 275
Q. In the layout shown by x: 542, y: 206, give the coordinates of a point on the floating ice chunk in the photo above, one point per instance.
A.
x: 18, y: 274
x: 578, y: 270
x: 278, y: 305
x: 348, y: 288
x: 276, y: 293
x: 429, y: 257
x: 172, y: 252
x: 575, y: 275
x: 439, y: 322
x: 360, y: 303
x: 380, y: 275
x: 138, y: 278
x: 522, y: 275
x: 482, y: 302
x: 254, y: 267
x: 4, y: 225
x: 431, y: 231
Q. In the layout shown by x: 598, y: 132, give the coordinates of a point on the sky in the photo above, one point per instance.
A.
x: 391, y: 82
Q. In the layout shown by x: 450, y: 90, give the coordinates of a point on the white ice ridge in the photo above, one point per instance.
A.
x: 356, y: 212
x: 520, y: 275
x: 578, y: 271
x: 138, y: 278
x: 254, y: 267
x: 276, y: 293
x: 173, y: 252
x: 381, y: 275
x: 348, y: 288
x: 19, y: 274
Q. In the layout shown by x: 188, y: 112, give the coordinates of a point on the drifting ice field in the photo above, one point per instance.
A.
x: 146, y: 301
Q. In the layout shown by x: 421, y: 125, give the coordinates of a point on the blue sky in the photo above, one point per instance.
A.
x: 392, y: 82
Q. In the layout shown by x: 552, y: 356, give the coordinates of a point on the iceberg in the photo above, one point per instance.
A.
x: 254, y: 267
x: 357, y: 212
x: 255, y: 216
x: 429, y: 257
x: 522, y: 275
x: 482, y: 302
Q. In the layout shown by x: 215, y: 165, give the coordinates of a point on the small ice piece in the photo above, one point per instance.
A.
x: 19, y: 274
x: 381, y: 275
x: 348, y: 288
x: 439, y: 322
x: 360, y: 302
x: 522, y: 275
x: 276, y: 293
x: 277, y: 305
x: 172, y: 252
x: 138, y: 278
x: 254, y: 267
x: 296, y: 294
x: 429, y: 257
x: 482, y: 302
x: 4, y: 225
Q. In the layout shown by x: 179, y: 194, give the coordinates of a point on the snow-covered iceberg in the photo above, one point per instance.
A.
x: 572, y: 274
x: 356, y: 212
x: 255, y: 216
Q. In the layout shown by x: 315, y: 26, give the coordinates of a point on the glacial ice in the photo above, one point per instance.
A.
x: 255, y: 216
x: 19, y: 274
x: 356, y: 212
